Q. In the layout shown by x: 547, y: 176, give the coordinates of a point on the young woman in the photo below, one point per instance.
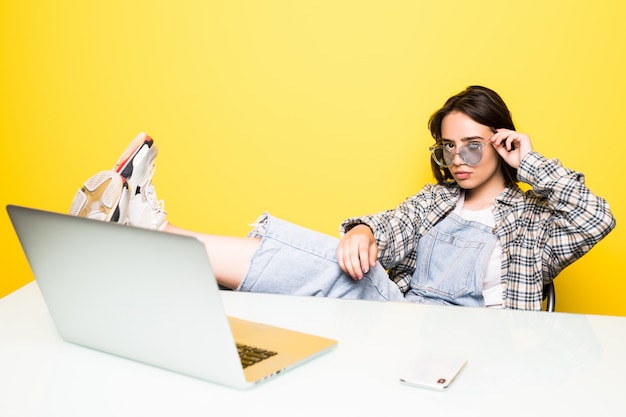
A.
x: 473, y: 239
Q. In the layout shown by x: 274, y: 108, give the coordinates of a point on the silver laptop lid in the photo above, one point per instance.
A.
x: 95, y: 276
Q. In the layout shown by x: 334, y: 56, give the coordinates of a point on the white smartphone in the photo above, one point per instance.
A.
x: 433, y: 371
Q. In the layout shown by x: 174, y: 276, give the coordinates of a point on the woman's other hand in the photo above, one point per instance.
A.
x: 511, y: 145
x: 357, y: 251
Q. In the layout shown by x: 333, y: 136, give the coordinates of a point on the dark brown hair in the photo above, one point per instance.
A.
x: 483, y: 106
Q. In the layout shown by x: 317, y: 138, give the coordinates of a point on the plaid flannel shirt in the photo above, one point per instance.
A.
x: 541, y: 231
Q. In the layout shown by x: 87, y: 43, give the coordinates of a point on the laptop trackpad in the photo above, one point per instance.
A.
x: 243, y: 329
x: 273, y: 338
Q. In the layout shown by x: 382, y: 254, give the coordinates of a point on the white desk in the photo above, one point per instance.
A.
x: 519, y: 363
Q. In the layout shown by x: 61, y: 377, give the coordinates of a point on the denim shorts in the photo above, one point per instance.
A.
x: 298, y: 261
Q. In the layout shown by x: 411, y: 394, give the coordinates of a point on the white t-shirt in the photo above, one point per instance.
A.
x: 492, y: 284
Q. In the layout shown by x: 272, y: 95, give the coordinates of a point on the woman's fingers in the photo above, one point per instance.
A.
x: 357, y: 252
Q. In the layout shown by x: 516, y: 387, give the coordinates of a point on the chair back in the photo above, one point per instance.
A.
x: 549, y: 296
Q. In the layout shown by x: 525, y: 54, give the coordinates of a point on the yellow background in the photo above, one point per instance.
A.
x: 312, y: 110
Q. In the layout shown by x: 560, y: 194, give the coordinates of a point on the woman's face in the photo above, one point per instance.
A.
x: 458, y: 129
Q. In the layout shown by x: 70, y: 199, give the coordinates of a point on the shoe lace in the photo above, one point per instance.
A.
x: 151, y: 198
x: 150, y: 195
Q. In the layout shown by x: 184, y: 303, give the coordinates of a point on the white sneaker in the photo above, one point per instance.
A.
x: 144, y: 210
x: 103, y: 197
x: 135, y: 164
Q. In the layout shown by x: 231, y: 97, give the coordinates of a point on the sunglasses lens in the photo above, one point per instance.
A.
x: 442, y: 156
x: 471, y: 155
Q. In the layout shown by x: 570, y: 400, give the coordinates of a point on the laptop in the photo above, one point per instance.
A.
x: 151, y: 297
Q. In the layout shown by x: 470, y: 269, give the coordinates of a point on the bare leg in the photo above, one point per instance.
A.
x: 229, y: 256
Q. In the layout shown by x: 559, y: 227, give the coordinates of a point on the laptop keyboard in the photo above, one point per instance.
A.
x: 250, y: 355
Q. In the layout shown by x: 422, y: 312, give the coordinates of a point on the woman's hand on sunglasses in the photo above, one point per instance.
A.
x: 511, y: 145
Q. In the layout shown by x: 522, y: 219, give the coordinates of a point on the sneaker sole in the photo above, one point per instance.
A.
x: 125, y: 165
x: 102, y: 197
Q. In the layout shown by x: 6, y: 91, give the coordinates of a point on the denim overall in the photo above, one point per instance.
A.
x: 293, y: 260
x: 452, y: 260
